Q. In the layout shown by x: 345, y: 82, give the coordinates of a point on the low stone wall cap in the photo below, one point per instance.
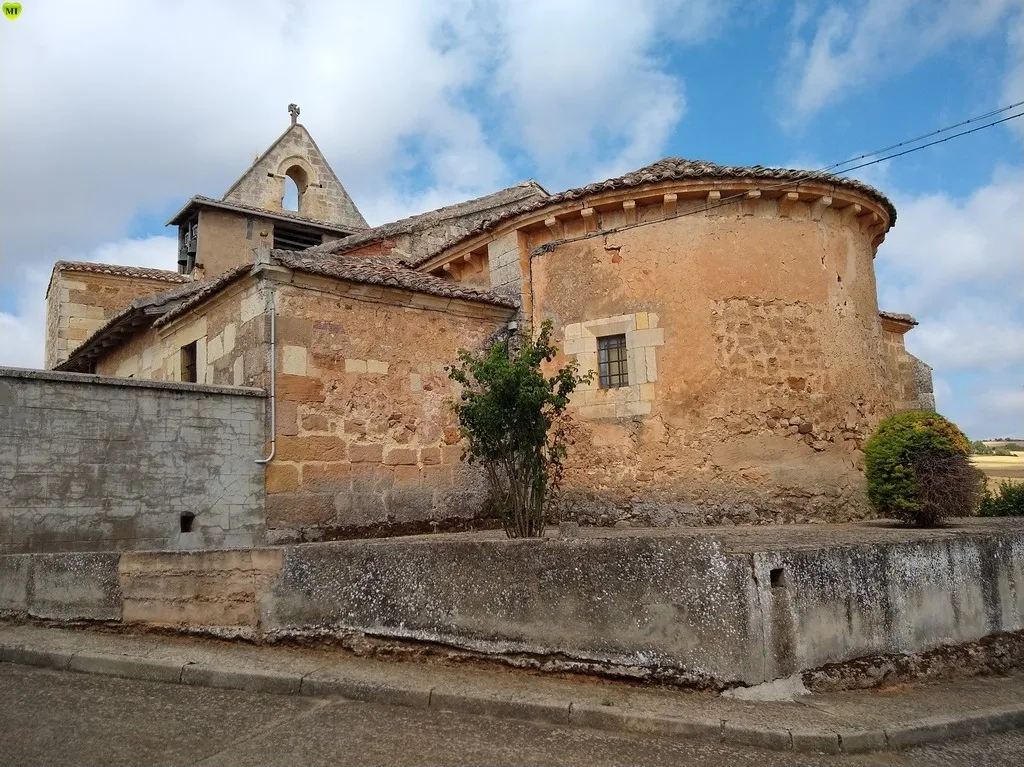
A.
x: 88, y: 378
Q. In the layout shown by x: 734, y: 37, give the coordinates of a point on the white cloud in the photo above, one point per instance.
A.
x: 124, y: 114
x: 995, y: 411
x: 843, y: 48
x: 584, y: 79
x: 943, y: 247
x: 971, y: 334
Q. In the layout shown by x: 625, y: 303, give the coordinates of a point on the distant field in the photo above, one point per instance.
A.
x: 1000, y: 467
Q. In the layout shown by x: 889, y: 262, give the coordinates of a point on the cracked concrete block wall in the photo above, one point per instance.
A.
x: 710, y: 610
x: 832, y: 604
x: 103, y: 464
x: 678, y: 603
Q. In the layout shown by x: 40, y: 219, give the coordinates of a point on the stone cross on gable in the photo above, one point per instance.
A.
x: 293, y: 110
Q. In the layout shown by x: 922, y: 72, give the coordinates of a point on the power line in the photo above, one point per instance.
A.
x: 931, y: 143
x: 814, y: 174
x: 924, y: 136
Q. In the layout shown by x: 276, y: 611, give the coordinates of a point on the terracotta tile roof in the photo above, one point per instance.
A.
x: 121, y: 271
x: 525, y: 191
x: 897, y: 317
x: 386, y: 272
x: 670, y: 169
x: 205, y: 289
x: 289, y: 215
x: 138, y: 315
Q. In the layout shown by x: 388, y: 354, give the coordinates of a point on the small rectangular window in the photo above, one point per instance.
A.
x: 189, y: 363
x: 611, y: 361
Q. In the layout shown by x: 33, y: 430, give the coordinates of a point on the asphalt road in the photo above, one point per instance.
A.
x: 61, y: 718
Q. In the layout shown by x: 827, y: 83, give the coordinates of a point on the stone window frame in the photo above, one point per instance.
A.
x: 643, y: 337
x: 612, y: 361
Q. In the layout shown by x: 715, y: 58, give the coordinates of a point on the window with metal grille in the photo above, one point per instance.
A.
x: 611, y: 361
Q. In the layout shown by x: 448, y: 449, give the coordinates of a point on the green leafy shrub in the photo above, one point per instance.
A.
x: 512, y: 418
x: 918, y: 469
x: 1007, y: 501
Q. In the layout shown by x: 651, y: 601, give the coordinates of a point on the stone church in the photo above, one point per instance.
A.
x: 730, y: 314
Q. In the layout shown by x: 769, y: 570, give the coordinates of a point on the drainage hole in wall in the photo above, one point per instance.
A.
x: 188, y: 518
x: 778, y: 578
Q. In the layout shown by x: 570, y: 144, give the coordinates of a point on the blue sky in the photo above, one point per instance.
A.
x: 116, y: 118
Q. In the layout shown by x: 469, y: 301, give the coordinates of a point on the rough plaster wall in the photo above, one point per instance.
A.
x: 772, y: 373
x: 228, y: 239
x: 325, y: 199
x: 230, y: 335
x: 102, y: 464
x: 367, y: 442
x: 79, y: 303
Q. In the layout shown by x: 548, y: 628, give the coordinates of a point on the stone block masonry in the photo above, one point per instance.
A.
x: 100, y: 464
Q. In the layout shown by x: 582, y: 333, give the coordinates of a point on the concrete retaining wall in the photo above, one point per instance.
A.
x: 708, y: 608
x: 91, y: 464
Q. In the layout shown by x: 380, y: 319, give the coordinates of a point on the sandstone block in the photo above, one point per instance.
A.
x: 294, y: 360
x: 281, y: 477
x: 299, y: 509
x: 354, y: 426
x: 377, y: 367
x: 401, y: 456
x: 300, y: 388
x: 325, y: 472
x: 597, y: 411
x: 649, y: 337
x: 359, y: 509
x: 215, y: 349
x: 229, y: 337
x: 287, y: 419
x: 315, y: 422
x: 430, y: 456
x: 295, y: 331
x: 451, y: 454
x: 365, y: 453
x: 311, y: 448
x: 629, y: 409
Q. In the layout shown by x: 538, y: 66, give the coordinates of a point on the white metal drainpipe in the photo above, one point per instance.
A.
x: 273, y: 379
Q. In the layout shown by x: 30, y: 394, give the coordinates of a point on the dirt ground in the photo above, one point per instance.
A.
x: 1001, y: 467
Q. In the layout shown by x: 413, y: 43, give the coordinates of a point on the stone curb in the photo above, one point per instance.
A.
x: 607, y: 718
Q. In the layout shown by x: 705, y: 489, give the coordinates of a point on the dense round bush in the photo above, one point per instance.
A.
x: 1007, y: 501
x: 918, y: 469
